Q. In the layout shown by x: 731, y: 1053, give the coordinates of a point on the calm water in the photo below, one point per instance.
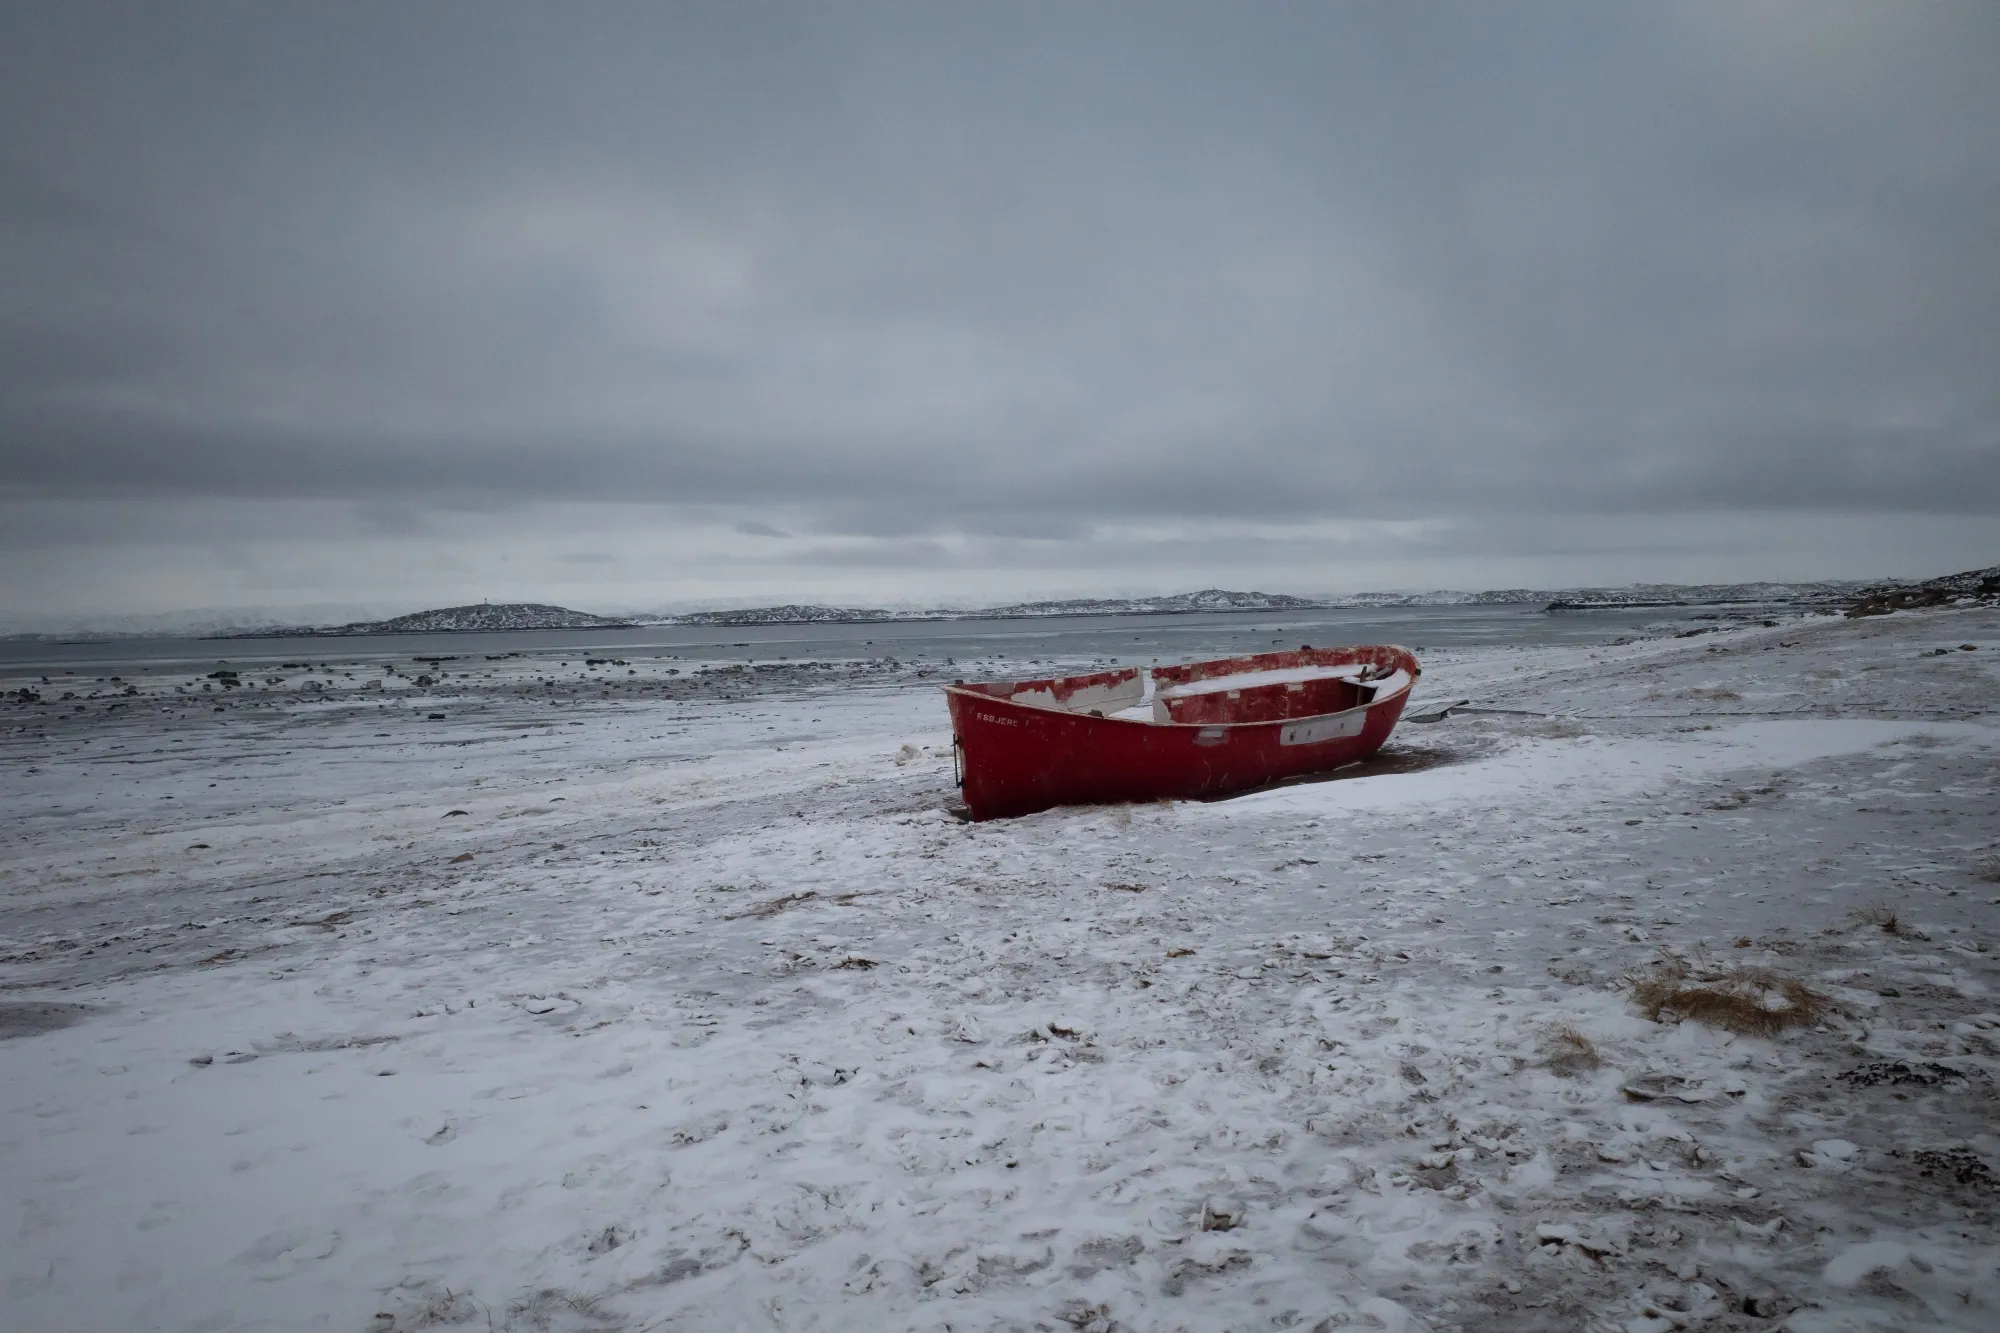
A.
x: 1134, y: 639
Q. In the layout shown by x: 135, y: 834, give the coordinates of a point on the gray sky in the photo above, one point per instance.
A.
x: 627, y: 306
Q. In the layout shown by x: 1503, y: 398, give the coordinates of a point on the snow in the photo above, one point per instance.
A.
x: 1388, y: 685
x: 1121, y: 692
x: 705, y: 1012
x: 1535, y: 771
x: 1246, y: 680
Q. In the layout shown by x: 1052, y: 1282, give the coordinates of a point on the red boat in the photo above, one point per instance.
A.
x: 1203, y: 729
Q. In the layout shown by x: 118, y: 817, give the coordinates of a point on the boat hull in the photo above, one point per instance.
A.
x: 1026, y: 746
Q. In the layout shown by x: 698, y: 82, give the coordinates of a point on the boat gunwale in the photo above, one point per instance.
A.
x: 971, y: 690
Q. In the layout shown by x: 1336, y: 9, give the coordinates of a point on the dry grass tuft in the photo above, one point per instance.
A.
x: 1882, y: 916
x: 440, y: 1307
x: 1742, y: 797
x: 1753, y: 1001
x: 774, y: 906
x: 1570, y: 1052
x: 553, y: 1309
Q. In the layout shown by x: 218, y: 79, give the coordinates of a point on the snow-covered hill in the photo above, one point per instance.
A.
x: 1688, y: 594
x: 1208, y: 599
x: 792, y: 614
x: 482, y: 616
x: 1973, y: 585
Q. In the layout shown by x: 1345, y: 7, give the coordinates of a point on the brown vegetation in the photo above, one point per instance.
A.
x: 775, y: 905
x: 1882, y: 916
x: 1753, y: 1001
x: 1570, y: 1052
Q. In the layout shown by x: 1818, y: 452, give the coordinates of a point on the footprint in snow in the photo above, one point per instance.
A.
x: 1392, y: 1317
x: 284, y: 1252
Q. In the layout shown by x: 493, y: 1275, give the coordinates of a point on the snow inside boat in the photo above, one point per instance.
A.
x: 1203, y: 729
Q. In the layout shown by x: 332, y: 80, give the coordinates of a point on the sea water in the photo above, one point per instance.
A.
x: 1130, y: 639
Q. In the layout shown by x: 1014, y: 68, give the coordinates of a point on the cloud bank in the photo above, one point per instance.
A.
x: 903, y: 299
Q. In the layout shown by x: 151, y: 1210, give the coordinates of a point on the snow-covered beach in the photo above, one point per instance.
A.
x: 629, y: 1000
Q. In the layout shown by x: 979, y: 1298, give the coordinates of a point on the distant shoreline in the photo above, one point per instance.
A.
x: 938, y: 618
x: 373, y: 633
x: 1561, y: 605
x: 314, y: 632
x: 532, y: 617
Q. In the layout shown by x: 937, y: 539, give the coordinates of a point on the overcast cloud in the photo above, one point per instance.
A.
x: 631, y: 305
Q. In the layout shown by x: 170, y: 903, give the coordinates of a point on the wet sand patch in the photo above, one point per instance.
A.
x: 31, y: 1018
